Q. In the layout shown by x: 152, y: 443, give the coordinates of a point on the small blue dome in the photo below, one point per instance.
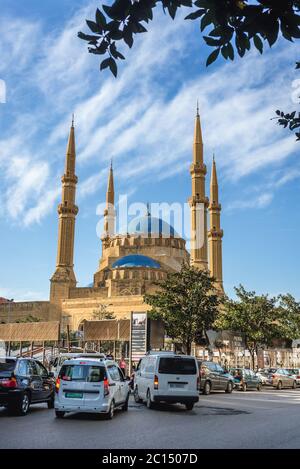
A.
x: 135, y: 260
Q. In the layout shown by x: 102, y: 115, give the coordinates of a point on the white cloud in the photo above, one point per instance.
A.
x: 256, y: 202
x: 144, y: 119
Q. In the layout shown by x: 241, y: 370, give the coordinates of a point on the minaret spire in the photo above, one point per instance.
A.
x: 215, y: 233
x: 198, y: 201
x: 109, y: 212
x: 64, y: 276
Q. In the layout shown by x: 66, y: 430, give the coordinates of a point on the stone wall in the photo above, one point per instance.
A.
x: 43, y: 310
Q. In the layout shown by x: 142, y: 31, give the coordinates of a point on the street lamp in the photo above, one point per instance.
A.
x: 9, y: 308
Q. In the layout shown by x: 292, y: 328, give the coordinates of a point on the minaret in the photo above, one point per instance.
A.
x: 215, y: 233
x: 109, y: 212
x: 64, y: 277
x: 198, y: 202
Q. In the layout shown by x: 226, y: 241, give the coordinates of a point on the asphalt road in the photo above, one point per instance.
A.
x: 267, y: 419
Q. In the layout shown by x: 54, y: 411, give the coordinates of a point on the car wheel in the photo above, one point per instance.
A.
x: 229, y: 388
x: 189, y: 405
x: 294, y: 385
x: 206, y: 389
x: 125, y: 405
x: 136, y: 396
x: 244, y: 387
x: 22, y: 406
x: 50, y: 403
x: 259, y: 387
x: 149, y: 403
x: 59, y: 414
x: 110, y: 414
x: 279, y: 385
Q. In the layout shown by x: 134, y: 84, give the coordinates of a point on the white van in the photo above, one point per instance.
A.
x: 167, y: 377
x: 91, y: 386
x: 56, y: 364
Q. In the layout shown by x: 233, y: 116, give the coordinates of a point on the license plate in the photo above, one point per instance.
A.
x: 176, y: 385
x: 74, y: 395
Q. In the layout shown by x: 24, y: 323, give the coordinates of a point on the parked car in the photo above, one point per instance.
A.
x: 266, y: 377
x: 281, y: 378
x: 214, y: 378
x: 57, y: 363
x: 91, y: 386
x: 167, y: 377
x: 24, y: 381
x: 296, y: 373
x: 245, y: 379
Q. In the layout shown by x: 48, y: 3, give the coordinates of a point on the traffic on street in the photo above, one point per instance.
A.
x: 92, y: 404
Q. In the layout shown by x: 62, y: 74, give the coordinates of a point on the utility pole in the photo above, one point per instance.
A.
x: 9, y: 309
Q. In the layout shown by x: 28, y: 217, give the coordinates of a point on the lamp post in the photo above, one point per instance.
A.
x: 9, y: 308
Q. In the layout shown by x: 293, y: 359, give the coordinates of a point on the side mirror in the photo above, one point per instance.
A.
x: 50, y: 374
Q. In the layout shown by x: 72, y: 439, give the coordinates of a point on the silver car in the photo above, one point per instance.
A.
x: 91, y: 386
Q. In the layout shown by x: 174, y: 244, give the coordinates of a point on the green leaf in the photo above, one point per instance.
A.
x: 113, y: 67
x: 230, y: 51
x: 206, y: 20
x: 88, y: 37
x: 210, y: 41
x: 100, y: 19
x: 104, y: 64
x: 94, y: 26
x: 212, y: 57
x: 258, y: 43
x: 195, y: 14
x: 224, y: 52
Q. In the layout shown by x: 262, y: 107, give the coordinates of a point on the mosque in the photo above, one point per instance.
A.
x: 131, y: 262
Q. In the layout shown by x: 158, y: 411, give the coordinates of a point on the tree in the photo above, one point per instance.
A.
x: 290, y: 120
x: 29, y: 318
x: 234, y: 25
x: 101, y: 313
x: 290, y: 316
x: 259, y: 318
x: 187, y: 303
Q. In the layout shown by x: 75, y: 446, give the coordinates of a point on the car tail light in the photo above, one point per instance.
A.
x: 273, y: 376
x: 198, y: 383
x: 106, y: 387
x: 57, y: 385
x: 155, y: 382
x: 298, y: 377
x: 9, y: 382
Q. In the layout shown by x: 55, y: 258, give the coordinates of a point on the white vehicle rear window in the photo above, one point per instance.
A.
x: 177, y: 366
x: 90, y: 374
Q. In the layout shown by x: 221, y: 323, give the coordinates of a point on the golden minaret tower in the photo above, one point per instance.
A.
x: 109, y: 212
x: 215, y: 233
x: 198, y: 202
x: 64, y: 278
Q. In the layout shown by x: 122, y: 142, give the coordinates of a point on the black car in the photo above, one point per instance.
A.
x: 24, y: 381
x: 214, y: 378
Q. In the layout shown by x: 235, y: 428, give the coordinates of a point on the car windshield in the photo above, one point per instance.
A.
x: 177, y: 366
x: 7, y: 364
x: 91, y: 374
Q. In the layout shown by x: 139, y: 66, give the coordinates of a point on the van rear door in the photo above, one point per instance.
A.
x: 178, y: 375
x: 94, y: 388
x: 72, y: 384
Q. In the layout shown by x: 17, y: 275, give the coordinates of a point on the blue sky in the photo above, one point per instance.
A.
x: 144, y: 121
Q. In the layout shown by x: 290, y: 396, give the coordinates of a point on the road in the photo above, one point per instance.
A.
x: 267, y: 419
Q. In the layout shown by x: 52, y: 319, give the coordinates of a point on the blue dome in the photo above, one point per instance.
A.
x: 135, y: 260
x: 148, y: 225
